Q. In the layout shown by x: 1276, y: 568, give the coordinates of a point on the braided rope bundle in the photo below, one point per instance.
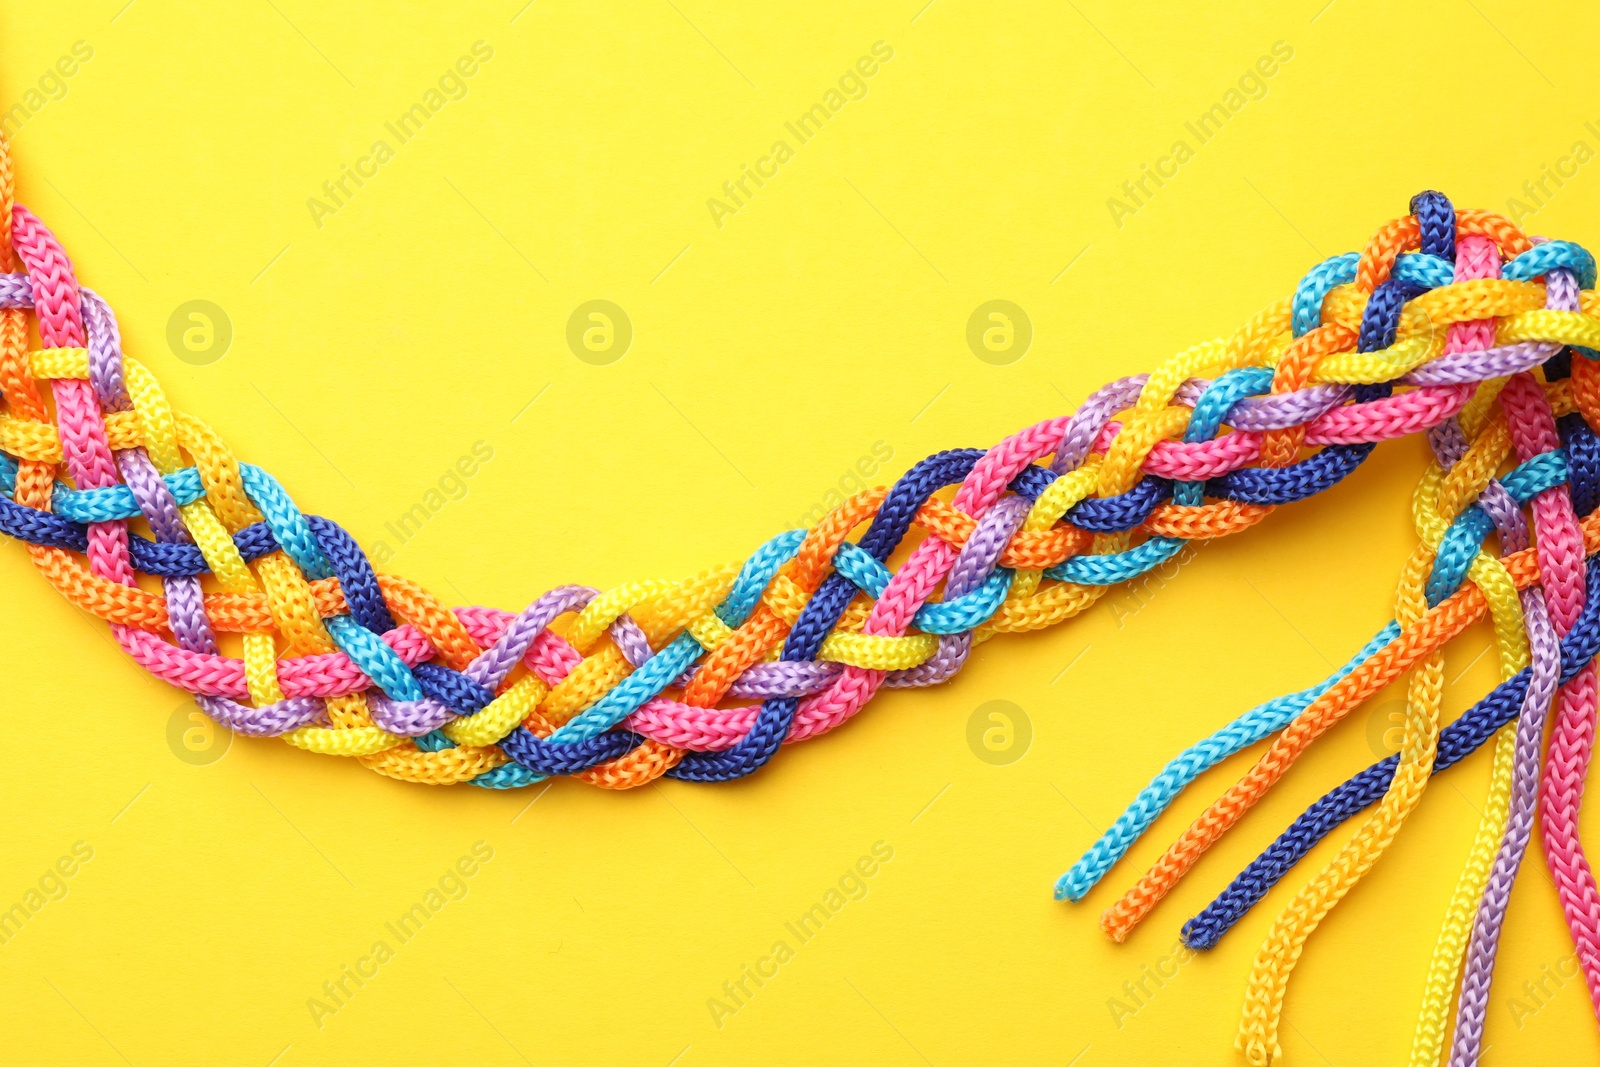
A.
x: 1453, y: 324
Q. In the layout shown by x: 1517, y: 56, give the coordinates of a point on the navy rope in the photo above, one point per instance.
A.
x: 1456, y: 741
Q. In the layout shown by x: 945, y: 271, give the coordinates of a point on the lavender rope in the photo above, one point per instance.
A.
x: 1561, y: 294
x: 1544, y: 650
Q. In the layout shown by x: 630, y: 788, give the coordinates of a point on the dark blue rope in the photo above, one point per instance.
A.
x: 1437, y: 217
x: 1285, y: 485
x: 452, y: 687
x: 1124, y: 511
x: 355, y: 574
x: 822, y: 613
x: 1456, y: 741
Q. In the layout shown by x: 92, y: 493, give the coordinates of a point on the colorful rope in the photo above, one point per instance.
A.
x: 1452, y: 324
x: 1537, y: 597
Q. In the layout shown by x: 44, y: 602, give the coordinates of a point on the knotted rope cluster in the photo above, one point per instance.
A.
x: 1452, y: 324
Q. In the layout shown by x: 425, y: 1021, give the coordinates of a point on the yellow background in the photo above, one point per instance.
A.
x: 769, y: 356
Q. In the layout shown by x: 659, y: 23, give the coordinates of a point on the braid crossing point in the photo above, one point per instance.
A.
x: 1534, y: 413
x: 1450, y: 323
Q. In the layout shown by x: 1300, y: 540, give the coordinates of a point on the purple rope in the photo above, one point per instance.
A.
x: 269, y: 720
x: 1090, y: 419
x: 1485, y: 939
x: 105, y: 353
x: 491, y: 668
x: 1561, y: 293
x: 1463, y: 368
x: 414, y: 718
x: 978, y: 559
x: 1274, y: 412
